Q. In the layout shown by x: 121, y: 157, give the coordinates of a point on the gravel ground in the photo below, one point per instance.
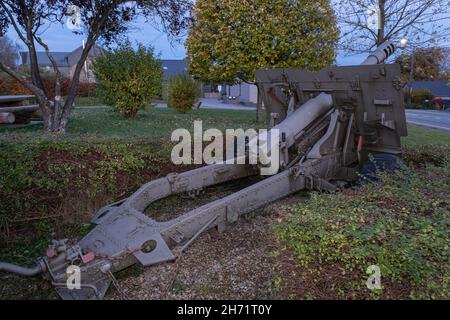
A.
x: 233, y: 265
x: 237, y: 264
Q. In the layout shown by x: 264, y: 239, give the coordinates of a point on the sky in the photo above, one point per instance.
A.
x: 61, y: 38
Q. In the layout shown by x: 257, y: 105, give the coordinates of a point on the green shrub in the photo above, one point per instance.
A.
x: 182, y: 93
x: 419, y: 96
x: 129, y: 79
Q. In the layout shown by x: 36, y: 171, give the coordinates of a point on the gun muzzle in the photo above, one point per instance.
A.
x: 380, y: 54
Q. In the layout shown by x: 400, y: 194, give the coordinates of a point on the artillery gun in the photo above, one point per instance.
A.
x: 330, y: 121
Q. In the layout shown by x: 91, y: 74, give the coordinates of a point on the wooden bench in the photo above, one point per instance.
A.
x: 16, y: 110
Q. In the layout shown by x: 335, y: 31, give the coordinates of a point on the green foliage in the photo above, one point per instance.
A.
x: 420, y: 155
x: 428, y: 64
x: 231, y: 38
x: 419, y: 96
x: 400, y: 224
x: 129, y: 79
x: 182, y: 93
x: 39, y: 178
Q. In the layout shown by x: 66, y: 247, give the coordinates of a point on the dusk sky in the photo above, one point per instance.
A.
x: 60, y: 38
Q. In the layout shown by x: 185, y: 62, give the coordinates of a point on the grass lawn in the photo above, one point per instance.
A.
x: 51, y: 185
x: 102, y: 124
x: 420, y: 136
x: 88, y: 101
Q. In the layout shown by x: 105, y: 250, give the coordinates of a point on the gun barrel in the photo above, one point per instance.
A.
x: 304, y: 116
x: 380, y: 54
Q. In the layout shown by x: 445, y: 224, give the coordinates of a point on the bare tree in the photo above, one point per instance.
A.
x: 422, y: 22
x: 104, y: 20
x: 8, y: 52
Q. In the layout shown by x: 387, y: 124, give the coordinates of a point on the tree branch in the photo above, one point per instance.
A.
x: 54, y: 65
x: 14, y: 24
x: 94, y: 34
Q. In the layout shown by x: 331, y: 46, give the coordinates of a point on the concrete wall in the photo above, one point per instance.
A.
x: 253, y: 93
x: 84, y: 77
x: 244, y: 93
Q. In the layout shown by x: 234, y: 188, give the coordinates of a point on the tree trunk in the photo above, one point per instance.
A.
x: 381, y: 21
x: 34, y: 66
x: 53, y: 116
x: 411, y: 78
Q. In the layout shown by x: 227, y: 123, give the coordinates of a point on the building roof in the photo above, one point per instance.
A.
x: 67, y: 59
x: 75, y: 55
x: 63, y: 59
x: 439, y: 88
x: 173, y: 67
x: 43, y: 59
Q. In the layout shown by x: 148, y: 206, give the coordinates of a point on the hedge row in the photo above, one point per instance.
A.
x: 14, y: 87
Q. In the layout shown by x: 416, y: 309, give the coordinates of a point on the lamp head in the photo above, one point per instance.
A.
x: 403, y: 42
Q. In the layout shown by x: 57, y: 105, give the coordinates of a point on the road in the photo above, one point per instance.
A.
x: 206, y: 104
x: 429, y: 118
x: 216, y: 104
